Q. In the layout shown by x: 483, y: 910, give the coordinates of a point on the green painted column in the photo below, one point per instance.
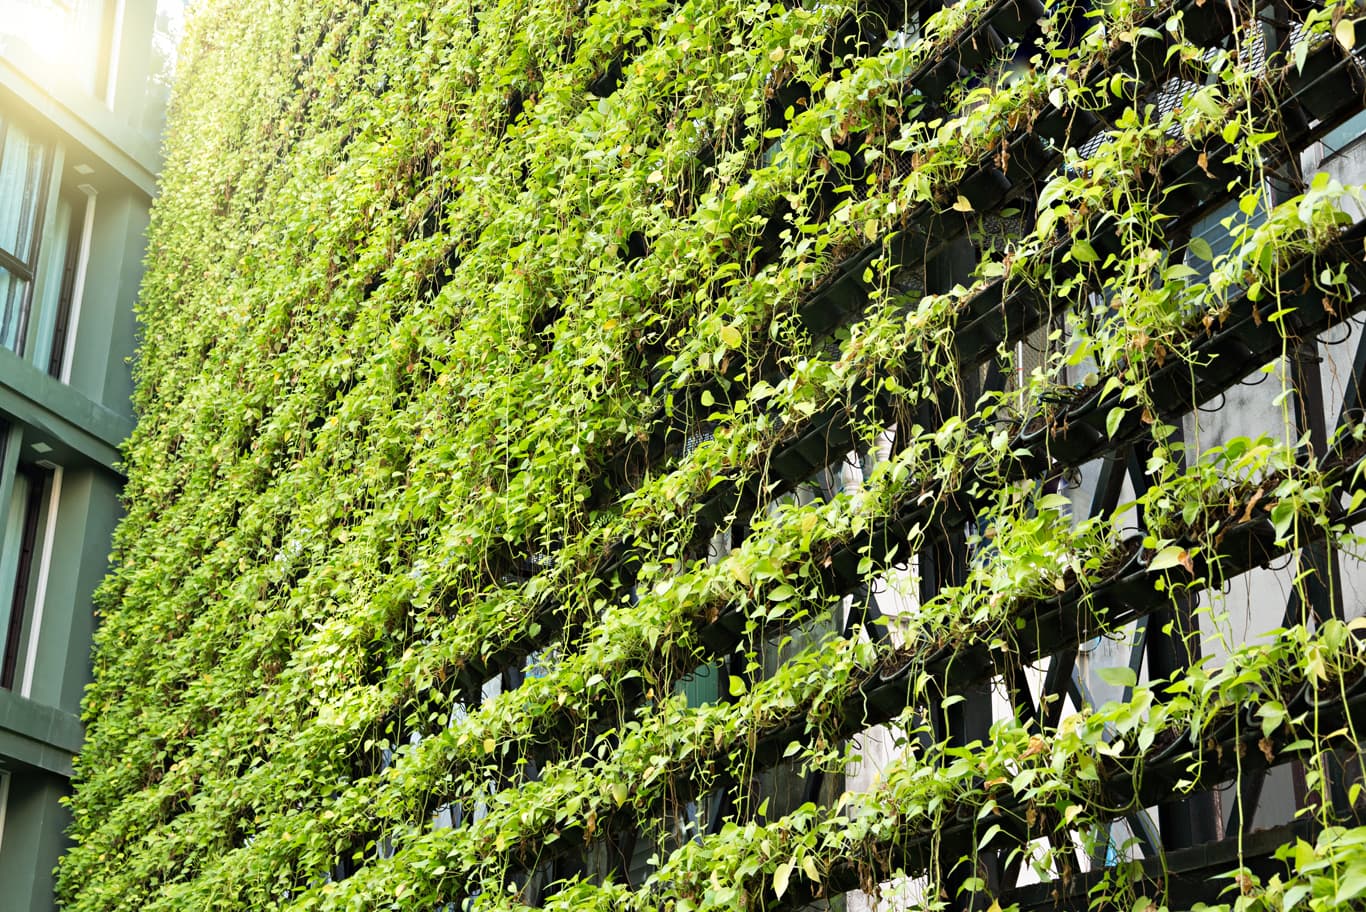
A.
x: 79, y: 540
x: 106, y: 327
x: 34, y: 836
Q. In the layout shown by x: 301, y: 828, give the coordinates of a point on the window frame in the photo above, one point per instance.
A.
x: 23, y: 270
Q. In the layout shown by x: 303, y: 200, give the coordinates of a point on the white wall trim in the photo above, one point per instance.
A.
x: 40, y: 595
x: 73, y: 319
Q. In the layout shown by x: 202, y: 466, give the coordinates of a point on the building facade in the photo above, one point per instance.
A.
x: 866, y: 456
x: 82, y: 101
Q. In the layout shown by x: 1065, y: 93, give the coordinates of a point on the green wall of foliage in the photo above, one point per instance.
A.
x: 435, y: 292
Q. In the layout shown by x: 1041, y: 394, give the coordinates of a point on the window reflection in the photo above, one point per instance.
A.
x: 166, y: 34
x: 23, y: 182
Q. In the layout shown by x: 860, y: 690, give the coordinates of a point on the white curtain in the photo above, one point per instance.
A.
x: 21, y: 168
x: 53, y: 266
x: 21, y: 187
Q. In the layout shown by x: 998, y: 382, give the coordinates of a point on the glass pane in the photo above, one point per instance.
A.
x: 87, y: 47
x: 1336, y: 140
x: 13, y: 299
x: 53, y: 261
x: 61, y: 35
x: 166, y: 34
x: 9, y: 560
x: 21, y: 172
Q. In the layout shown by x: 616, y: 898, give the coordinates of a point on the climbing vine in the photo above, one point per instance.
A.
x: 504, y: 373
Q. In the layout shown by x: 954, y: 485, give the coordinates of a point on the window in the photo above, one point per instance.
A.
x: 74, y: 36
x: 60, y: 269
x: 24, y: 167
x: 170, y: 25
x: 41, y: 240
x: 17, y: 567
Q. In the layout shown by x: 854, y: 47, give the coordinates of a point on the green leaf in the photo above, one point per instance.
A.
x: 731, y: 337
x: 1352, y: 885
x: 1121, y: 676
x: 1204, y: 102
x: 1054, y: 502
x: 1169, y: 557
x: 780, y: 878
x: 1083, y: 252
x: 1113, y: 420
x: 1200, y: 248
x: 1273, y: 716
x: 736, y: 686
x: 1345, y: 32
x: 1282, y: 518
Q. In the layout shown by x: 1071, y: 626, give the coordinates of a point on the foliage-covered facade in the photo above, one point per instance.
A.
x: 697, y: 455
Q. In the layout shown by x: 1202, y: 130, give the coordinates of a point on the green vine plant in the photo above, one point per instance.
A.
x: 509, y: 372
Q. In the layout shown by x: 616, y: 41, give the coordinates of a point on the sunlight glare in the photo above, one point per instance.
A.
x: 44, y: 27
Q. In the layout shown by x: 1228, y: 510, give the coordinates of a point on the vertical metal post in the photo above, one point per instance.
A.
x: 1319, y: 565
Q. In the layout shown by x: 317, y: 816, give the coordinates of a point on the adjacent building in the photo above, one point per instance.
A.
x: 82, y: 102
